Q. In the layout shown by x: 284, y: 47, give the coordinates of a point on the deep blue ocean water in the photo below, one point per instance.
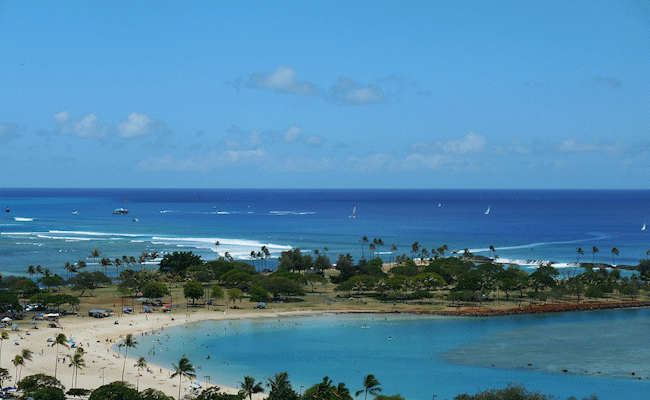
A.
x: 419, y: 356
x: 41, y: 229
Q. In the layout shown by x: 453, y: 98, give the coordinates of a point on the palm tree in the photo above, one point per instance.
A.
x: 580, y: 252
x: 3, y: 336
x: 249, y: 387
x: 94, y: 254
x: 393, y: 249
x: 142, y: 363
x: 105, y: 262
x: 216, y: 244
x: 614, y: 253
x: 18, y: 360
x: 31, y: 270
x: 117, y: 262
x: 372, y: 250
x: 363, y: 240
x: 39, y: 270
x: 81, y: 264
x: 129, y: 341
x: 153, y: 255
x: 594, y: 250
x: 370, y: 385
x: 59, y: 339
x: 143, y: 259
x: 4, y: 376
x: 493, y: 250
x: 415, y: 248
x: 25, y: 355
x: 184, y: 368
x: 77, y: 362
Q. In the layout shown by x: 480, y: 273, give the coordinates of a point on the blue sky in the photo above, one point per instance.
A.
x: 335, y: 94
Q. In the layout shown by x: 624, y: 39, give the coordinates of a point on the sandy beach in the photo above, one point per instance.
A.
x: 97, y: 336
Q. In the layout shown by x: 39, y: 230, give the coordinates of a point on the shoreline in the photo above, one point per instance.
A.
x: 104, y: 365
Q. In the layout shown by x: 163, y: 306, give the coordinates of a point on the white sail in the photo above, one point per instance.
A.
x: 643, y: 228
x: 488, y: 211
x: 354, y: 212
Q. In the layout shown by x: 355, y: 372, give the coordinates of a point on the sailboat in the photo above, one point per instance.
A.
x: 354, y: 212
x: 643, y: 227
x: 488, y: 211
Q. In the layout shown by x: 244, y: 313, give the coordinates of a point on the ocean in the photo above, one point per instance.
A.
x: 419, y: 357
x: 50, y: 227
x: 416, y: 356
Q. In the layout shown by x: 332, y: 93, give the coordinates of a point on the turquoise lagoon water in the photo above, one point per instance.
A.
x: 422, y: 356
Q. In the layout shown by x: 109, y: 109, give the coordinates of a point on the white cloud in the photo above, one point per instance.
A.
x: 470, y: 144
x: 517, y: 147
x: 208, y: 162
x: 348, y: 92
x: 89, y: 127
x: 62, y: 117
x: 292, y: 134
x: 137, y: 125
x: 572, y: 146
x: 365, y: 95
x: 282, y: 80
x: 314, y: 141
x: 417, y: 161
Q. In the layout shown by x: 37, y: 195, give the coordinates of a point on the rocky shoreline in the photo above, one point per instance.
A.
x: 537, y: 309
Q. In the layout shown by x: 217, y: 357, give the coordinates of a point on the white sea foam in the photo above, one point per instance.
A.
x: 21, y: 219
x: 291, y: 212
x: 87, y: 233
x: 237, y: 248
x: 66, y: 238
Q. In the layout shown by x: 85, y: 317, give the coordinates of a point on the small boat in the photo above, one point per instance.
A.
x: 135, y: 220
x: 75, y: 212
x: 121, y: 211
x: 439, y: 205
x: 643, y: 227
x: 7, y: 209
x: 488, y: 211
x: 354, y: 212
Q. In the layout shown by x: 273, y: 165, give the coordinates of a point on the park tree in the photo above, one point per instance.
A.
x: 258, y: 294
x: 178, y: 262
x: 32, y: 383
x: 235, y: 294
x: 154, y: 394
x: 282, y: 287
x: 114, y: 391
x: 193, y: 290
x: 9, y: 302
x: 155, y: 290
x: 217, y: 292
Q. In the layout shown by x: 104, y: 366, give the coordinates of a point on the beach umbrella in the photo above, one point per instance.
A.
x: 15, y: 326
x: 6, y: 319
